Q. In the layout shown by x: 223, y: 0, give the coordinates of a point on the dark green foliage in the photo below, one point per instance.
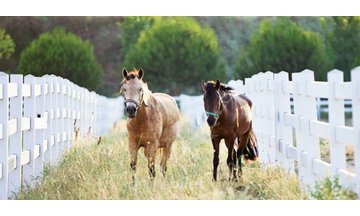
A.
x: 130, y: 28
x: 102, y: 32
x: 176, y: 54
x: 283, y: 45
x: 64, y: 54
x: 7, y: 45
x: 331, y: 190
x: 343, y: 35
x: 233, y: 34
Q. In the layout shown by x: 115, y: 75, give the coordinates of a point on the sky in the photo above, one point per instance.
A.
x: 179, y: 7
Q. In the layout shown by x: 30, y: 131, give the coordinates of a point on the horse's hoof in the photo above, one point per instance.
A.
x: 240, y: 188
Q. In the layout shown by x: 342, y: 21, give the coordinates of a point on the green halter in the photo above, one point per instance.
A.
x: 216, y: 115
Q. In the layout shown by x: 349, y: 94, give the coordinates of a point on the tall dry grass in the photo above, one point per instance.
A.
x: 91, y: 171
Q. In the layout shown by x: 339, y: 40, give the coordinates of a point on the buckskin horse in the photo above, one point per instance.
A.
x: 230, y: 118
x: 153, y: 121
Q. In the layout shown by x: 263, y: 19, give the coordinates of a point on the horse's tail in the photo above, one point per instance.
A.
x: 250, y: 151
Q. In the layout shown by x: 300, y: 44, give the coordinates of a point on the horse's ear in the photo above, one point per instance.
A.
x: 124, y: 72
x: 141, y: 73
x: 203, y: 85
x: 217, y: 85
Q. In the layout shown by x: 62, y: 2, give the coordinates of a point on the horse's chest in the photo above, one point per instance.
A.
x: 227, y: 131
x: 146, y: 131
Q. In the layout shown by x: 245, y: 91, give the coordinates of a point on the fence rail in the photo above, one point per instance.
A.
x: 286, y: 122
x: 40, y: 118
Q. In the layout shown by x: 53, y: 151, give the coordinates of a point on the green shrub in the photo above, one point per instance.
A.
x: 331, y: 190
x: 176, y: 54
x: 283, y: 45
x: 64, y: 54
x: 7, y: 46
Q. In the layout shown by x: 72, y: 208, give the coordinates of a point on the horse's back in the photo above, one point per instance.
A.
x: 244, y: 97
x: 168, y: 103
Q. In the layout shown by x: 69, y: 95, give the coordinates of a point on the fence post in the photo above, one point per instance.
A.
x: 305, y: 109
x: 4, y: 112
x: 54, y: 120
x: 284, y: 135
x: 82, y: 114
x: 77, y: 111
x: 93, y: 110
x: 27, y: 156
x: 67, y: 122
x: 73, y: 112
x: 98, y: 116
x: 355, y: 80
x: 336, y: 118
x: 39, y: 126
x: 48, y: 111
x: 86, y: 112
x: 267, y: 87
x: 61, y: 117
x: 15, y: 141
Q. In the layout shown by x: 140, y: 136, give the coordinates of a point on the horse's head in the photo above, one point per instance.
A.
x: 212, y: 101
x: 133, y: 89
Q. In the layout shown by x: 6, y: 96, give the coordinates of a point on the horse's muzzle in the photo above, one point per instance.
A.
x: 131, y: 111
x: 211, y: 121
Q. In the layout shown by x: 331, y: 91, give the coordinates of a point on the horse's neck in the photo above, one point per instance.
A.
x: 227, y: 107
x: 143, y: 111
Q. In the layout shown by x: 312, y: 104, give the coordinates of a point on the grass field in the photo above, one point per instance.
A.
x: 91, y: 171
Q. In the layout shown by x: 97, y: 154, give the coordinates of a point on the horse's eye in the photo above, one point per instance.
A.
x: 140, y: 90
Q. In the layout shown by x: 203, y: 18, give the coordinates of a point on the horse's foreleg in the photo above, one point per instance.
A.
x: 150, y: 153
x: 234, y: 171
x: 164, y: 157
x: 239, y: 154
x: 231, y: 160
x: 133, y: 158
x: 215, y: 142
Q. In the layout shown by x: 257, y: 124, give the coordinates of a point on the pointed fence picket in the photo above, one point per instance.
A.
x: 40, y: 117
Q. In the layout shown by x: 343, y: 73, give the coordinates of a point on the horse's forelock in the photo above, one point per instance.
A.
x: 130, y: 76
x: 210, y: 85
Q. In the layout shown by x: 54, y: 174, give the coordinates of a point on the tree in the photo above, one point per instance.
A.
x: 233, y: 33
x: 130, y: 28
x: 176, y: 53
x: 283, y: 45
x: 62, y: 53
x: 343, y: 35
x: 7, y: 46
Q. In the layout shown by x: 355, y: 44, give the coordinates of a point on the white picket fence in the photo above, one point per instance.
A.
x: 39, y: 119
x: 274, y: 122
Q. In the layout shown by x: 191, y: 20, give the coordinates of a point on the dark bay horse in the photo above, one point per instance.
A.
x: 229, y: 118
x: 153, y: 121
